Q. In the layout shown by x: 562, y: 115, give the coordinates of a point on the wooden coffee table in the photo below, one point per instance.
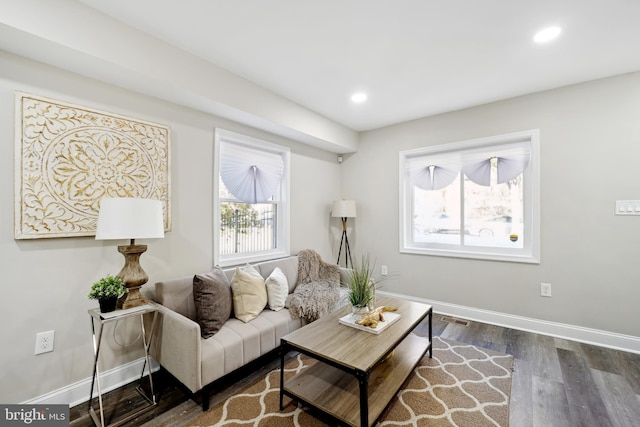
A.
x: 350, y: 379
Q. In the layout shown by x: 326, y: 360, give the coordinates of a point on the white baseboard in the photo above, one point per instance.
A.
x: 78, y: 392
x: 560, y: 330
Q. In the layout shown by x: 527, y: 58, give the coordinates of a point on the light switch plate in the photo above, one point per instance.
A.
x: 627, y: 207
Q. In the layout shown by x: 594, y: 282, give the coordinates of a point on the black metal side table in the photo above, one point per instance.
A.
x: 101, y: 319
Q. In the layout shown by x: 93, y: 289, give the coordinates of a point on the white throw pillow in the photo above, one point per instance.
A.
x: 277, y: 289
x: 249, y: 293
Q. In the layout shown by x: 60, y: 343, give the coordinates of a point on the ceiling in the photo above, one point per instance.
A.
x: 414, y: 58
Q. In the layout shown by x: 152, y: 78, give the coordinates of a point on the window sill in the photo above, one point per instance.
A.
x: 486, y: 255
x: 230, y: 261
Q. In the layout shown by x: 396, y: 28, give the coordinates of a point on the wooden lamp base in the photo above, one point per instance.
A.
x: 133, y: 275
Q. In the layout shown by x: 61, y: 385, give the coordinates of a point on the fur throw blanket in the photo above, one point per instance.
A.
x: 317, y: 288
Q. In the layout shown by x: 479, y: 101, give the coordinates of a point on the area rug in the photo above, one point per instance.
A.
x: 462, y: 385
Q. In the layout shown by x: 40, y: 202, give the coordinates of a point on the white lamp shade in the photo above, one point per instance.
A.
x: 344, y: 209
x: 130, y: 218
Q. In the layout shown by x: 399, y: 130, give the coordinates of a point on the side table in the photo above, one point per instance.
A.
x: 101, y: 319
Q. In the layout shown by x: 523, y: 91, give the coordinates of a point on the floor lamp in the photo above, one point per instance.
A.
x: 344, y: 209
x: 131, y: 218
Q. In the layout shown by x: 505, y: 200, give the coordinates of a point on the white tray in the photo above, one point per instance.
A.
x: 389, y: 319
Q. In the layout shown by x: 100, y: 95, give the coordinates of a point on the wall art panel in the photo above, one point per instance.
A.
x: 69, y: 157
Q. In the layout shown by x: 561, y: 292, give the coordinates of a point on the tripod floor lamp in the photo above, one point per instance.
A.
x: 344, y: 209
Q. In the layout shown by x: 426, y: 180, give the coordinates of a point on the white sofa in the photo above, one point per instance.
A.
x: 197, y: 362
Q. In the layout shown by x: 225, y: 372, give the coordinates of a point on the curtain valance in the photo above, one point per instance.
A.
x: 433, y: 177
x: 435, y: 173
x: 250, y: 174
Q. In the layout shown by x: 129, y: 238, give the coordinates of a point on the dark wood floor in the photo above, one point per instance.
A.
x: 556, y: 382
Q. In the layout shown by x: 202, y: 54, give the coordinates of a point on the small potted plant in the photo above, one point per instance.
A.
x: 107, y: 291
x: 362, y: 287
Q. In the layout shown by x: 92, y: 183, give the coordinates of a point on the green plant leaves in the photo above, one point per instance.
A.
x: 107, y: 287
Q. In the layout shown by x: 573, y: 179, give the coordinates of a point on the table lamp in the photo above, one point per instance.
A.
x: 344, y: 209
x: 131, y: 218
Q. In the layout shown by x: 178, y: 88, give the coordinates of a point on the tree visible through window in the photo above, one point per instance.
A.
x: 475, y: 199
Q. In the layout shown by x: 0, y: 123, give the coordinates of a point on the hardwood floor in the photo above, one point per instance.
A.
x: 555, y: 383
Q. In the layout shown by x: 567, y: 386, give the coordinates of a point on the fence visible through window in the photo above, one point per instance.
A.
x: 246, y: 228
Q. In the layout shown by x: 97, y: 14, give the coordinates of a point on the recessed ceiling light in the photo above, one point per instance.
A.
x: 546, y: 35
x: 359, y: 97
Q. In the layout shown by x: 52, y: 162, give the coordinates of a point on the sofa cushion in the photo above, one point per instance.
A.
x: 212, y: 299
x: 249, y: 293
x: 289, y: 266
x: 277, y: 289
x: 238, y: 343
x: 177, y: 295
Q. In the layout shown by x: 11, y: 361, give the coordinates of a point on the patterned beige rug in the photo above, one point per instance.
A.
x: 462, y: 386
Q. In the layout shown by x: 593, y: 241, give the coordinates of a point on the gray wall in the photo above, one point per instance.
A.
x: 590, y: 149
x: 45, y: 282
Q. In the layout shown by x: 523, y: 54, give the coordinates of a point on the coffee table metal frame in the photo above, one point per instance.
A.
x: 327, y: 377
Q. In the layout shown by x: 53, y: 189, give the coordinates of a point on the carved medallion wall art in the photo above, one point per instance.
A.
x: 69, y: 157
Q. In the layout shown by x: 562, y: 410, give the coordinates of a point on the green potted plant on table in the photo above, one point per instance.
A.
x: 107, y: 291
x: 362, y: 288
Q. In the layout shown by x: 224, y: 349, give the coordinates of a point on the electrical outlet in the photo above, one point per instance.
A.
x: 383, y: 270
x: 545, y: 289
x: 44, y: 342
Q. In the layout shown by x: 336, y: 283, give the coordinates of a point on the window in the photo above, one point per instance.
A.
x: 473, y: 199
x: 251, y: 210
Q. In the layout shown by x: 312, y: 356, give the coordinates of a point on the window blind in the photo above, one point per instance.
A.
x: 510, y: 161
x: 432, y: 177
x: 250, y: 174
x: 438, y: 172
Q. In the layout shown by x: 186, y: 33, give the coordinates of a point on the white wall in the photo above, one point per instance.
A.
x: 590, y: 154
x: 45, y: 282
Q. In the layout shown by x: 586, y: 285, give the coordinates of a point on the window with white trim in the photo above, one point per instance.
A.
x: 472, y: 199
x: 251, y: 209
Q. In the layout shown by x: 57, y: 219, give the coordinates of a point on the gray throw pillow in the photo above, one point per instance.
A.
x: 213, y: 301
